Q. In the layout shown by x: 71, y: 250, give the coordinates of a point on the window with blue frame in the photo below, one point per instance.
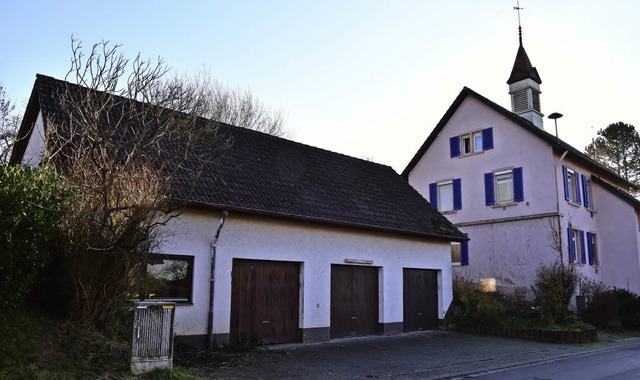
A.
x: 577, y: 253
x: 460, y: 253
x: 446, y: 195
x: 586, y: 192
x: 572, y: 184
x: 504, y: 187
x: 471, y: 142
x: 592, y: 248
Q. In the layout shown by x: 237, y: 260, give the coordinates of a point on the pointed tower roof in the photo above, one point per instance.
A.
x: 522, y: 67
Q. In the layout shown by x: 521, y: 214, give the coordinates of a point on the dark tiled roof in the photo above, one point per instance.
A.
x: 523, y: 69
x: 268, y: 175
x: 550, y: 139
x: 618, y: 192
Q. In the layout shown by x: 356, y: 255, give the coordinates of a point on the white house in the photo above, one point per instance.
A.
x: 519, y: 193
x: 299, y: 244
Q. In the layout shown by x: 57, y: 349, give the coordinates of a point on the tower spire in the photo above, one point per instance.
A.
x: 524, y: 83
x: 518, y: 8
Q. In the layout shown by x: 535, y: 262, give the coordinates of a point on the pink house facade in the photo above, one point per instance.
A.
x: 524, y: 197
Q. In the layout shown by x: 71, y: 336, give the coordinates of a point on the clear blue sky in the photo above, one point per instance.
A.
x: 366, y: 78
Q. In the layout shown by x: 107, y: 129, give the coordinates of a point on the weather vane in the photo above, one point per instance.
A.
x: 517, y: 8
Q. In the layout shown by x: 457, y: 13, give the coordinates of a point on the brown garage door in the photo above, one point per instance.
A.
x: 265, y: 300
x: 420, y: 297
x: 354, y: 300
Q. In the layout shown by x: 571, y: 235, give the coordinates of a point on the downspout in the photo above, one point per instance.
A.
x: 560, y: 232
x: 212, y: 279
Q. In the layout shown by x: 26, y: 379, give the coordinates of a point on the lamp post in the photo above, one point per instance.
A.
x: 555, y: 116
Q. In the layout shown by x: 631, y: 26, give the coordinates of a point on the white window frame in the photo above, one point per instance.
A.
x: 441, y: 185
x: 589, y: 193
x: 571, y: 178
x: 496, y: 176
x: 474, y: 137
x: 596, y: 251
x: 575, y: 237
x: 466, y: 149
x: 472, y: 146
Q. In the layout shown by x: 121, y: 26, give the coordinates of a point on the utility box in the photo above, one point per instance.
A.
x: 152, y: 341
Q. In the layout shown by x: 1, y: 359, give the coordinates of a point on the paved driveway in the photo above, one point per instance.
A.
x: 421, y: 355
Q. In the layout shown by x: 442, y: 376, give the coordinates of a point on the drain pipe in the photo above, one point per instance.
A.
x: 212, y: 280
x: 560, y: 232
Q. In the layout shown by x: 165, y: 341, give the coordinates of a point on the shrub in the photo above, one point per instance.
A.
x: 554, y: 285
x: 470, y: 306
x: 614, y: 309
x: 31, y: 202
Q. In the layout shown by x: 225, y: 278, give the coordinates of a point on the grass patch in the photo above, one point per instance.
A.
x: 32, y: 347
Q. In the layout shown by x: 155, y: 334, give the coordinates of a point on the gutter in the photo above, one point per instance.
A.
x: 212, y: 279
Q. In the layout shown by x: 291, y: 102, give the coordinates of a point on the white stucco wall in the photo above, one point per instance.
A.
x: 315, y: 246
x: 508, y: 253
x: 35, y: 147
x: 617, y: 242
x: 509, y: 244
x: 513, y: 147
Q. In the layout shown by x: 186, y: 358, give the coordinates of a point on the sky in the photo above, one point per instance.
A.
x: 366, y: 78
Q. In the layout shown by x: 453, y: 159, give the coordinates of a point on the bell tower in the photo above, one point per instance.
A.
x: 524, y: 85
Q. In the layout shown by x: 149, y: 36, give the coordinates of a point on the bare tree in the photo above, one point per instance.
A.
x: 225, y: 104
x: 121, y: 153
x: 9, y: 123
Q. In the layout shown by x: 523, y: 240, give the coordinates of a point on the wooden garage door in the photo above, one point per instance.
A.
x: 420, y: 297
x: 265, y: 300
x: 354, y: 300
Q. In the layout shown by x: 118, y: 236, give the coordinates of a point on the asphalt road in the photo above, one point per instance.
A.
x: 620, y: 364
x: 423, y: 355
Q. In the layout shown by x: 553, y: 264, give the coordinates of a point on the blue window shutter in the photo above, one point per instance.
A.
x: 433, y: 195
x: 566, y: 183
x: 457, y: 194
x: 572, y: 245
x: 518, y: 185
x: 488, y: 189
x: 454, y: 144
x: 583, y: 252
x: 576, y: 179
x: 590, y: 248
x: 487, y: 138
x: 585, y: 190
x: 464, y: 252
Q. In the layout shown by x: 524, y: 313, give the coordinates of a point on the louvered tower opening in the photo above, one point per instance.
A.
x: 520, y: 100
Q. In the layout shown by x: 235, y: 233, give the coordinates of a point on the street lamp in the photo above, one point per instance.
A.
x: 555, y: 116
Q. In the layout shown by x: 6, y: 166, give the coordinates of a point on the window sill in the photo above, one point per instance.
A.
x: 448, y: 212
x: 506, y: 204
x: 574, y: 204
x: 462, y: 155
x: 456, y: 264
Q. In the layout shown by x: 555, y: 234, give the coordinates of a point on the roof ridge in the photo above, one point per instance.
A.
x: 522, y: 122
x: 245, y: 130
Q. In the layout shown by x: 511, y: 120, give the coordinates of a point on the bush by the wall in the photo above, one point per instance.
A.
x: 614, y: 308
x: 554, y: 286
x: 31, y: 202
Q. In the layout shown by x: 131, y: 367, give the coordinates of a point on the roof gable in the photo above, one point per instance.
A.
x: 268, y: 175
x: 628, y: 198
x: 556, y: 143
